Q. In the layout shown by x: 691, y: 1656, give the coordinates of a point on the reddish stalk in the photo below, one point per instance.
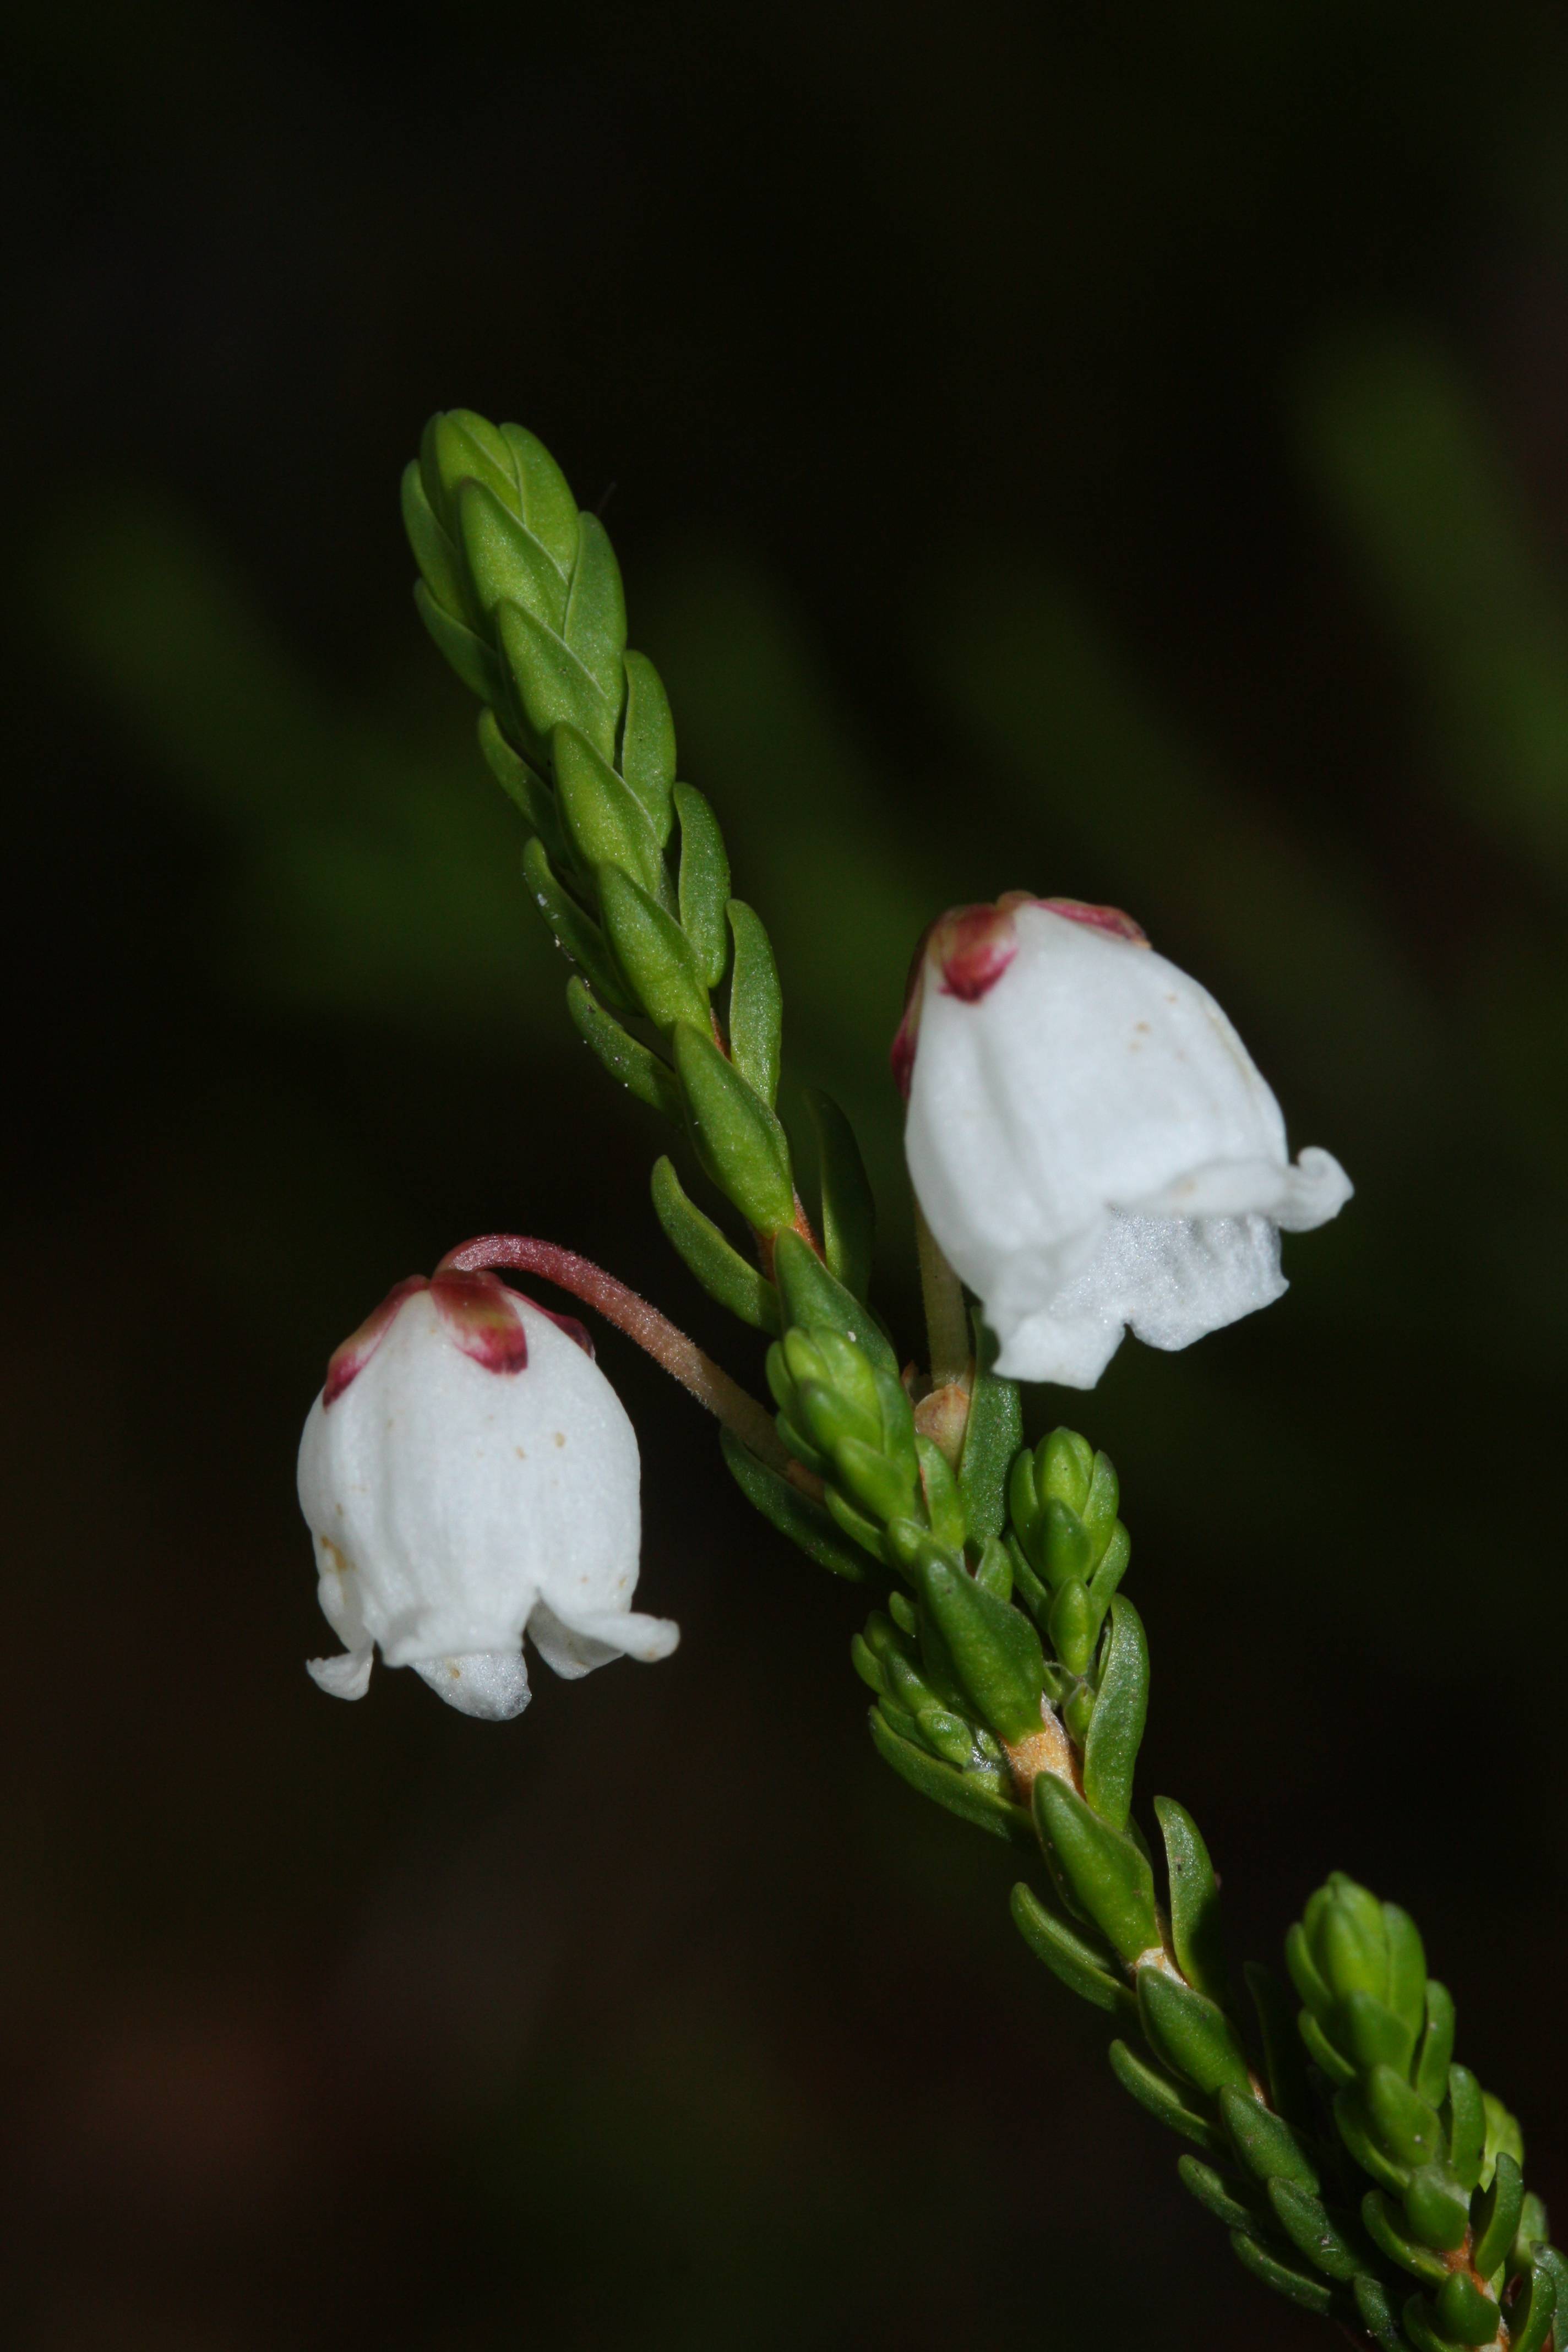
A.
x: 681, y: 1358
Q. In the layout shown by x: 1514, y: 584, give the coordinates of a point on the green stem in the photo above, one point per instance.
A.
x: 947, y: 1317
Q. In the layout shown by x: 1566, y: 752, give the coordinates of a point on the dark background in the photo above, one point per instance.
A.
x: 1114, y: 451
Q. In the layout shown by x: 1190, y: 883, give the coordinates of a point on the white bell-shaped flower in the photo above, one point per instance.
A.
x: 469, y: 1474
x: 1089, y: 1139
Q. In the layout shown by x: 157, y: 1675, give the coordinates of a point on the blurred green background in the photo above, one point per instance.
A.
x: 1113, y: 451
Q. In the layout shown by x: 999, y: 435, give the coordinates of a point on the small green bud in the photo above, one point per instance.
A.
x: 775, y: 1368
x: 829, y: 1417
x: 1350, y: 1941
x: 881, y: 1487
x: 1064, y: 1469
x: 848, y: 1371
x: 1062, y: 1544
x: 812, y: 1296
x: 803, y: 1359
x: 1073, y: 1626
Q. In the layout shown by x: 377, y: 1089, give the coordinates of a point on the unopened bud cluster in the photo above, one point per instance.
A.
x: 1449, y: 2207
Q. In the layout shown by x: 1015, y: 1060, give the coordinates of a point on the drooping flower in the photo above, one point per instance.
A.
x: 469, y: 1474
x: 1089, y: 1139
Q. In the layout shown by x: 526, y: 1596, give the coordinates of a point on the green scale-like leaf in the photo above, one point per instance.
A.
x: 603, y: 816
x: 574, y: 932
x: 1194, y: 1894
x: 1083, y: 1967
x: 1120, y: 1710
x: 848, y: 1210
x: 737, y: 1139
x: 648, y: 744
x: 812, y: 1295
x: 961, y: 1794
x: 653, y: 952
x: 1109, y: 1877
x: 705, y: 890
x: 994, y: 1649
x: 627, y: 1060
x: 708, y: 1254
x: 1191, y: 2032
x: 505, y: 562
x: 1163, y: 2099
x: 794, y: 1515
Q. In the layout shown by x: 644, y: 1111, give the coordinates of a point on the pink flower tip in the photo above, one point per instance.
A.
x: 479, y: 1315
x: 972, y: 947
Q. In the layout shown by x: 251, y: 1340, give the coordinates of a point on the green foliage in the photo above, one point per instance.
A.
x: 794, y: 1515
x: 522, y: 595
x: 848, y: 1210
x: 1071, y: 1553
x: 1343, y: 2151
